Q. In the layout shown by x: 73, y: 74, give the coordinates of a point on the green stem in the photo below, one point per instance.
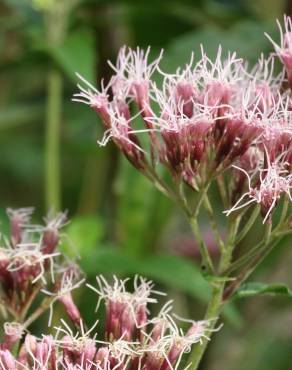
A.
x: 249, y: 269
x: 28, y: 304
x: 245, y: 258
x: 213, y: 222
x: 207, y: 261
x: 213, y: 312
x: 222, y: 191
x: 283, y: 213
x: 53, y: 123
x: 38, y: 312
x: 248, y: 224
x: 216, y: 302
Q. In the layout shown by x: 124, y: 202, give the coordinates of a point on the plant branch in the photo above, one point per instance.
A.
x: 216, y: 302
x: 38, y: 312
x: 206, y: 258
x: 248, y: 225
x: 213, y: 222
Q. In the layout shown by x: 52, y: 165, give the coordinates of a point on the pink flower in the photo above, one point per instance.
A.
x: 274, y: 180
x: 13, y: 333
x: 284, y: 50
x: 19, y: 218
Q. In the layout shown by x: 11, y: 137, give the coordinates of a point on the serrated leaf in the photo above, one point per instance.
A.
x: 253, y: 289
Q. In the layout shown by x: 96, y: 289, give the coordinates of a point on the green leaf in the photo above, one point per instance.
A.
x: 231, y: 39
x: 139, y: 224
x: 253, y: 289
x: 18, y: 115
x: 83, y: 235
x: 172, y: 271
x: 77, y: 54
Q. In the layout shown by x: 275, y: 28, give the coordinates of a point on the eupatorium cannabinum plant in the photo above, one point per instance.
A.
x: 210, y: 123
x: 35, y: 275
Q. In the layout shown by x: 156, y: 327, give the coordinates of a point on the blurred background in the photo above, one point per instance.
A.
x: 119, y: 223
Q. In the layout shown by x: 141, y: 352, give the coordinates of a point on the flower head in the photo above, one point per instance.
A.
x: 272, y: 182
x: 284, y: 50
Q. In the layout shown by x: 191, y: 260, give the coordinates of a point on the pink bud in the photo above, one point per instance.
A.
x: 186, y: 93
x: 18, y: 218
x: 13, y: 333
x: 70, y: 307
x: 80, y: 351
x: 50, y: 240
x: 7, y: 360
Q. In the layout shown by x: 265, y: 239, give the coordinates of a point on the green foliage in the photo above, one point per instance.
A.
x: 138, y: 222
x: 253, y: 289
x: 210, y: 37
x: 161, y: 268
x: 83, y: 235
x: 77, y: 54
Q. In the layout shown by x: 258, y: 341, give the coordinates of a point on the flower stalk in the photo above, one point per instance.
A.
x: 56, y: 14
x: 52, y: 135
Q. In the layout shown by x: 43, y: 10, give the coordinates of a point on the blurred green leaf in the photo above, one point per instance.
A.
x: 84, y: 234
x: 246, y: 38
x: 77, y: 54
x: 139, y: 223
x: 253, y: 289
x: 21, y: 114
x: 25, y: 168
x: 172, y: 271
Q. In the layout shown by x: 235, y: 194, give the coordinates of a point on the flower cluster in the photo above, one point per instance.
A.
x: 34, y: 275
x: 132, y: 339
x: 206, y: 120
x: 30, y: 265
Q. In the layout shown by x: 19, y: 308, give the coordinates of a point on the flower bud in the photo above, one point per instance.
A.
x: 13, y: 333
x: 18, y: 219
x: 7, y: 360
x: 71, y: 308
